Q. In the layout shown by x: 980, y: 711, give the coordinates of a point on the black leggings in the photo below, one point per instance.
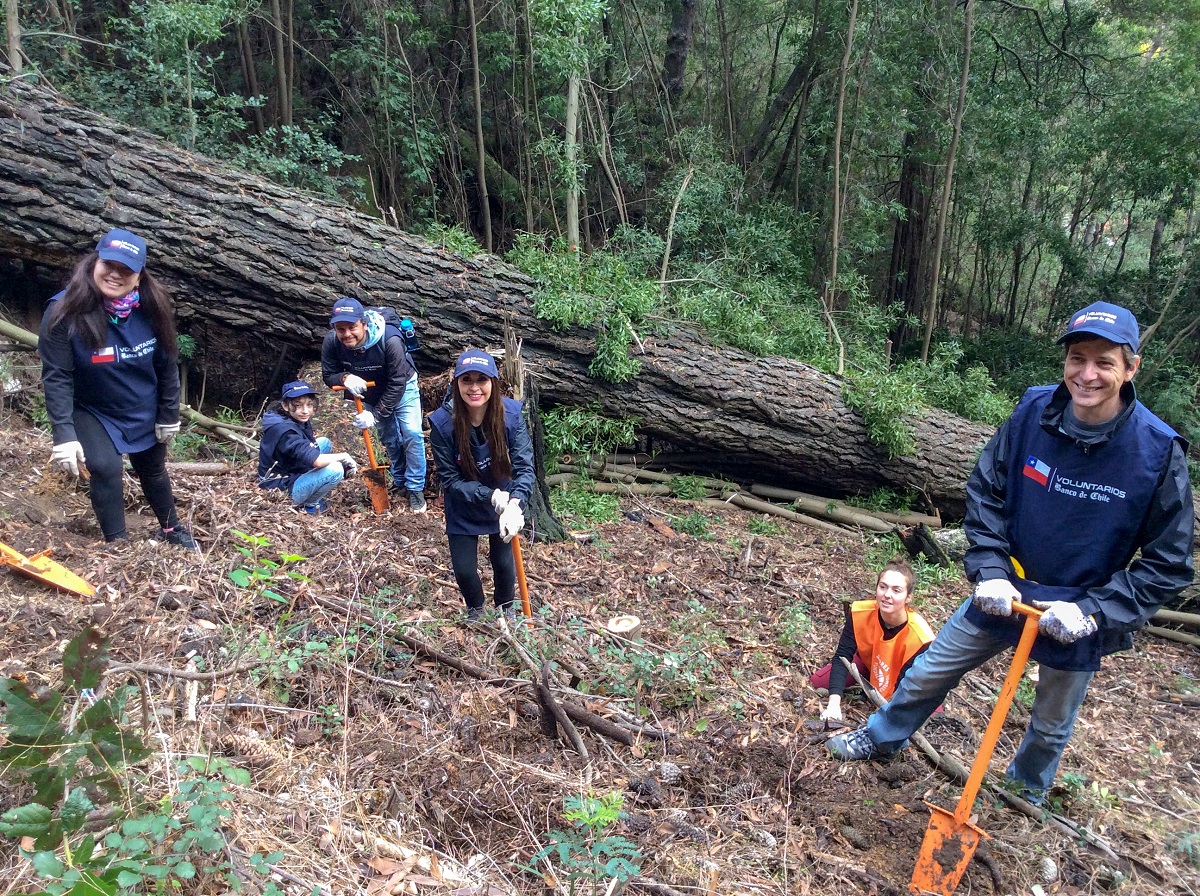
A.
x: 464, y: 557
x: 107, y: 473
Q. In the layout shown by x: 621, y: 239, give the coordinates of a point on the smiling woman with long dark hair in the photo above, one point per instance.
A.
x: 109, y: 368
x: 485, y: 464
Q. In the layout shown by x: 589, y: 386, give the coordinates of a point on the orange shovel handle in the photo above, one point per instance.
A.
x: 1007, y: 690
x: 519, y: 561
x: 358, y: 405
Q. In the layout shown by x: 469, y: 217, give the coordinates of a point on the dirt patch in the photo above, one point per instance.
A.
x: 356, y: 741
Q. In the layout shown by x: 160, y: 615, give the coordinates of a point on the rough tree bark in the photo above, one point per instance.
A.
x: 254, y: 268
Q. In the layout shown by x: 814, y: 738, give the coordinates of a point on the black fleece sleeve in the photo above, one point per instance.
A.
x: 58, y: 379
x: 846, y: 648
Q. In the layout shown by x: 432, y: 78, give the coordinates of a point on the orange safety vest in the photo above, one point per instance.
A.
x: 885, y: 659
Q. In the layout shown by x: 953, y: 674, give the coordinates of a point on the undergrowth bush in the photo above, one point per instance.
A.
x: 597, y: 291
x: 582, y: 432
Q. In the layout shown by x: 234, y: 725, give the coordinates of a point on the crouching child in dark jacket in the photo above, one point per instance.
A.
x: 290, y: 457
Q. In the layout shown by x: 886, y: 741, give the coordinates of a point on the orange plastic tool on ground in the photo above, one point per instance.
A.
x: 39, y: 566
x: 951, y: 839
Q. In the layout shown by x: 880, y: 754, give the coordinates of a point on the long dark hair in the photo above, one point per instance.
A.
x: 493, y: 433
x: 82, y: 308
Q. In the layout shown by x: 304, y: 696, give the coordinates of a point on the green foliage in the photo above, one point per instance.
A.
x: 587, y: 855
x: 187, y: 347
x: 578, y: 506
x: 78, y: 753
x: 37, y: 411
x: 884, y: 398
x: 259, y: 573
x: 968, y: 393
x: 695, y: 524
x: 885, y: 499
x: 566, y: 33
x: 453, y: 238
x: 582, y: 432
x: 1026, y: 691
x: 764, y: 525
x: 300, y: 158
x: 794, y: 623
x: 597, y: 291
x: 688, y: 488
x: 1187, y: 845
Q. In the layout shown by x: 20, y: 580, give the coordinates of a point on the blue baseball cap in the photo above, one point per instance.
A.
x: 474, y: 359
x: 297, y: 389
x: 1112, y: 322
x: 122, y: 246
x: 346, y: 310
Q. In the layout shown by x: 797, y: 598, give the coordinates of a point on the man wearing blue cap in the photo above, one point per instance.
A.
x: 1078, y: 481
x: 362, y: 347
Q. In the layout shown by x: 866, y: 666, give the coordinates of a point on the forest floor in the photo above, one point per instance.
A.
x: 376, y: 768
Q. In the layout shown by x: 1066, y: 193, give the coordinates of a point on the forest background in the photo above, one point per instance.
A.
x: 909, y: 195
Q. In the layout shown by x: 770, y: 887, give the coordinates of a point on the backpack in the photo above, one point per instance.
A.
x: 391, y: 325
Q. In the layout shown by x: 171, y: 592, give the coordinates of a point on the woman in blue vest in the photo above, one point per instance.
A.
x: 109, y: 370
x: 485, y: 464
x: 291, y: 458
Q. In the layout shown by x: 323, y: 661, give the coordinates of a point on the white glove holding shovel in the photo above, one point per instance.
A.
x: 512, y: 521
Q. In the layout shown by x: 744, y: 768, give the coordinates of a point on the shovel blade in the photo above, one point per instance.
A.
x: 376, y: 480
x: 945, y: 853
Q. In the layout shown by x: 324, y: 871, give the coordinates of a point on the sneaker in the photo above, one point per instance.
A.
x: 180, y: 537
x: 510, y: 612
x: 853, y: 746
x: 474, y: 614
x: 416, y: 501
x: 319, y: 507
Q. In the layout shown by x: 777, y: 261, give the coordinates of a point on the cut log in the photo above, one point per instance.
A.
x: 254, y: 268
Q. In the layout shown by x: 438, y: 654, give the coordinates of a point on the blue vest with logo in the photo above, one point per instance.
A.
x: 1074, y: 515
x: 118, y: 383
x: 465, y: 517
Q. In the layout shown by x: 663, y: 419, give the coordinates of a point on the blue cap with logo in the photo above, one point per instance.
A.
x: 297, y: 389
x: 1112, y: 322
x: 124, y: 247
x: 474, y: 359
x: 346, y: 310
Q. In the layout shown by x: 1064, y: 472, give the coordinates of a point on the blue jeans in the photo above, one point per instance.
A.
x: 314, y: 485
x: 958, y: 648
x: 402, y: 437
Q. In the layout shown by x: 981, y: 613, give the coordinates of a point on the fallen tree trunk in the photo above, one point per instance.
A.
x: 254, y: 268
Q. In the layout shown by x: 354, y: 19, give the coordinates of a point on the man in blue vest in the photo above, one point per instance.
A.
x: 363, y: 347
x: 1078, y: 481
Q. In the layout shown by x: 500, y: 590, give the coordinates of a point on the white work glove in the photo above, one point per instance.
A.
x: 1064, y: 621
x: 995, y: 597
x: 67, y: 457
x: 512, y: 521
x: 500, y: 500
x: 349, y: 464
x: 832, y: 712
x: 355, y: 385
x: 164, y: 432
x: 364, y: 419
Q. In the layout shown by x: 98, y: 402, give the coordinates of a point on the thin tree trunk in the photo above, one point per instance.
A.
x: 931, y: 308
x: 726, y: 71
x: 250, y: 75
x: 282, y: 100
x: 12, y: 23
x: 485, y: 207
x: 836, y: 235
x: 571, y: 141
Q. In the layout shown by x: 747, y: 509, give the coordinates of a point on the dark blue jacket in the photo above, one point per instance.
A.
x: 468, y: 503
x: 287, y: 451
x: 129, y: 384
x: 1074, y: 515
x: 386, y: 363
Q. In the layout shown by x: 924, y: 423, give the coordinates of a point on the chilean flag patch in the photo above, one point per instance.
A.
x: 106, y: 355
x: 1037, y: 471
